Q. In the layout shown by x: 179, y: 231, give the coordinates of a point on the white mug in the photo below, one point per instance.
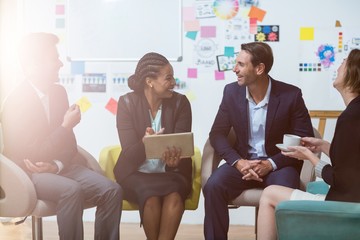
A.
x: 291, y: 140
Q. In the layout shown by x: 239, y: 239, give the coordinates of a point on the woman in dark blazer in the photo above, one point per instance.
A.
x: 158, y: 186
x: 344, y: 151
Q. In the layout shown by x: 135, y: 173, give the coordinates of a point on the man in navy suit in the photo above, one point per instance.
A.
x: 260, y: 110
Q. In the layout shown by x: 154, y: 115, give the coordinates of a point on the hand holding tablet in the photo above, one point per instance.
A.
x: 156, y: 145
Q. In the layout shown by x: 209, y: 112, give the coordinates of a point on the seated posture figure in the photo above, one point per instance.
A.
x: 38, y: 135
x: 158, y: 186
x: 344, y: 152
x: 261, y: 110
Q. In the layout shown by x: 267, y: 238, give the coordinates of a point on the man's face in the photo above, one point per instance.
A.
x: 45, y: 70
x: 244, y: 70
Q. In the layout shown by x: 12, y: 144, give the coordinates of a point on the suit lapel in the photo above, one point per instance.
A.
x: 243, y: 120
x: 272, y: 109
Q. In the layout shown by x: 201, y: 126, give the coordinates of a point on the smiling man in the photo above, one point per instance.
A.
x: 260, y: 110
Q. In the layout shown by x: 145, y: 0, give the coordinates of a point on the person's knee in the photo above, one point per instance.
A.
x: 152, y: 203
x: 213, y: 185
x: 74, y: 192
x: 267, y: 194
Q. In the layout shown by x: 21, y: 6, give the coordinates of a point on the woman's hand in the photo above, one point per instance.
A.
x: 301, y: 153
x: 150, y: 131
x: 316, y: 145
x: 171, y: 156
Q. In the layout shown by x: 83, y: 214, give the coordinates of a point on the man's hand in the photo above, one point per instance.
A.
x: 41, y: 167
x: 72, y: 117
x: 246, y: 168
x: 263, y: 168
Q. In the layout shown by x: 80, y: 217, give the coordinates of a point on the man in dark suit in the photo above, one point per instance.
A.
x: 38, y: 135
x: 260, y: 110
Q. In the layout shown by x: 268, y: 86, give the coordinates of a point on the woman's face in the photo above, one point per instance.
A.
x: 339, y: 80
x: 163, y: 85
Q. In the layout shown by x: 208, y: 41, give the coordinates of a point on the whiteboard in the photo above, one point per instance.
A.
x: 123, y: 30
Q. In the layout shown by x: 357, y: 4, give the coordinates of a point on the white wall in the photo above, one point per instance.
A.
x: 97, y: 128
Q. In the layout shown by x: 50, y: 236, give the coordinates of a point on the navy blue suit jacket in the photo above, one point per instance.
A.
x: 286, y: 113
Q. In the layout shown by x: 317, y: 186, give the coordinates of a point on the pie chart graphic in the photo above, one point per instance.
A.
x: 226, y: 9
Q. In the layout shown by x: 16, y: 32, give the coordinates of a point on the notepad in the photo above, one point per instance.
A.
x: 156, y: 145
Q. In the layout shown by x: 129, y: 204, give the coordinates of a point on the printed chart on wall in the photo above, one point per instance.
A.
x: 321, y: 52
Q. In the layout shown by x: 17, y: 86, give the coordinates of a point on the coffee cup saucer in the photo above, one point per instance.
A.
x: 282, y: 147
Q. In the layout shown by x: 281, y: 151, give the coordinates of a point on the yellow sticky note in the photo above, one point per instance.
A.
x: 307, y: 33
x: 84, y: 104
x: 190, y: 95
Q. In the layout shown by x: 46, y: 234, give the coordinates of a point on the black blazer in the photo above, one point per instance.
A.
x: 286, y: 113
x: 132, y: 120
x: 29, y: 134
x: 343, y: 174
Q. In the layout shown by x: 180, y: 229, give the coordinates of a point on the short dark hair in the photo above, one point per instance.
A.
x: 148, y: 66
x: 33, y: 47
x: 352, y: 72
x: 260, y: 53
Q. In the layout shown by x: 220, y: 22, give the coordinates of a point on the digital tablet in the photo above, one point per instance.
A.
x: 156, y: 145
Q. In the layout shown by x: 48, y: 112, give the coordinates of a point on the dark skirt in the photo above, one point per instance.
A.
x: 138, y: 187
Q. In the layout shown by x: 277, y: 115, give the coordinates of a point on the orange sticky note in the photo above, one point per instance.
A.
x: 112, y: 106
x: 257, y: 13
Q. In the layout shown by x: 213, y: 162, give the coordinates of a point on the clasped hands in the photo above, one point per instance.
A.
x: 172, y: 156
x: 253, y: 169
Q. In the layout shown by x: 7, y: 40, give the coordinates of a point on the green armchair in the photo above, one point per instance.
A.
x: 317, y: 219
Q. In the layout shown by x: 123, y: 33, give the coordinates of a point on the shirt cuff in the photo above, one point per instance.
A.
x: 272, y: 164
x: 319, y: 167
x: 60, y: 165
x: 233, y: 164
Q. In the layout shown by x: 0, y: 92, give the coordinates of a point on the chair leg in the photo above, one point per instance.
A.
x: 256, y: 217
x: 37, y: 233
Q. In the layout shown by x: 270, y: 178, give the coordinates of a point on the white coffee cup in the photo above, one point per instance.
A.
x: 291, y: 140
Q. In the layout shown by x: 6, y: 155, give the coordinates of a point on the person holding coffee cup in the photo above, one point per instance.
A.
x: 344, y: 154
x: 260, y: 110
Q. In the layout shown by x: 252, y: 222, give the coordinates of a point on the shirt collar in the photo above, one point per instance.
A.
x: 265, y: 101
x: 37, y: 90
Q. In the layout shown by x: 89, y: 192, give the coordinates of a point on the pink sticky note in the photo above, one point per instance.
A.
x: 60, y: 9
x: 208, y: 31
x: 219, y: 75
x: 189, y: 13
x: 253, y: 26
x: 192, y: 72
x: 191, y: 26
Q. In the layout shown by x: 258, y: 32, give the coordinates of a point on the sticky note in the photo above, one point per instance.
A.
x: 307, y: 33
x: 84, y: 104
x: 190, y: 26
x: 59, y: 9
x: 208, y: 31
x: 229, y: 51
x: 60, y: 23
x: 253, y: 25
x: 189, y: 13
x: 190, y: 95
x: 191, y: 35
x: 257, y: 13
x: 77, y: 67
x: 112, y: 106
x: 219, y: 75
x: 192, y: 73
